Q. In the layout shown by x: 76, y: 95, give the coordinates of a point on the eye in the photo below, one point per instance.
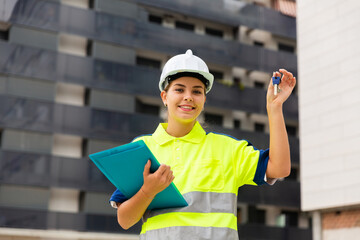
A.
x: 179, y: 90
x: 197, y: 92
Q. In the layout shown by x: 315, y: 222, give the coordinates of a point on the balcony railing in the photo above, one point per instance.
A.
x: 37, y: 63
x: 37, y: 219
x: 282, y: 193
x: 87, y: 122
x: 249, y: 15
x: 40, y: 219
x: 51, y: 16
x: 259, y: 231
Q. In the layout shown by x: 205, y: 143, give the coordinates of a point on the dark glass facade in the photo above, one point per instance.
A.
x: 116, y: 98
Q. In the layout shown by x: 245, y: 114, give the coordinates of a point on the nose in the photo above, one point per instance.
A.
x: 188, y: 98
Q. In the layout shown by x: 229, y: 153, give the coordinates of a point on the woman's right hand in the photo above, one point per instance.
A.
x: 157, y: 181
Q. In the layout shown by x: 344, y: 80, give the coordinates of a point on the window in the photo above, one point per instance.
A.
x: 256, y: 215
x: 91, y: 4
x: 142, y: 107
x: 291, y: 130
x: 84, y: 147
x: 293, y: 174
x: 237, y: 80
x: 4, y: 35
x: 237, y: 124
x: 259, y: 84
x: 155, y: 19
x: 184, y: 25
x: 286, y: 48
x: 259, y: 127
x: 148, y: 62
x: 87, y: 97
x: 214, y: 32
x: 214, y: 119
x: 89, y: 46
x: 257, y: 43
x: 217, y: 75
x: 291, y: 218
x: 239, y: 219
x: 0, y: 136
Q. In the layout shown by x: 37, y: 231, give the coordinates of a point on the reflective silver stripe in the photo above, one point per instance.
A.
x: 193, y: 233
x: 202, y: 202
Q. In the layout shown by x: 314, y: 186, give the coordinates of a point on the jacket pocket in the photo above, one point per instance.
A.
x: 207, y: 175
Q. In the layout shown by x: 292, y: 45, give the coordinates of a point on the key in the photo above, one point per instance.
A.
x: 276, y: 82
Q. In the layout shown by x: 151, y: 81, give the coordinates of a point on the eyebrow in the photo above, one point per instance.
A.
x: 181, y: 85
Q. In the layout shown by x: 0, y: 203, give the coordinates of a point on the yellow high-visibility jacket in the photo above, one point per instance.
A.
x: 208, y: 168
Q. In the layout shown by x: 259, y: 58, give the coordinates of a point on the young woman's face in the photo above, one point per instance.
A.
x: 185, y: 99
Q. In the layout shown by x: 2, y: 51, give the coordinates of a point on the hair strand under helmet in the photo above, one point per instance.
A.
x: 186, y: 65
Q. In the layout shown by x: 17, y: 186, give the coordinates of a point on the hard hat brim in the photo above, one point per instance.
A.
x: 208, y: 76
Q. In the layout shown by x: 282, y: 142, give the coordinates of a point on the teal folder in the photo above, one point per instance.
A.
x: 124, y: 167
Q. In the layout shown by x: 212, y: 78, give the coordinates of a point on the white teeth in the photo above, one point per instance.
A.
x: 186, y: 107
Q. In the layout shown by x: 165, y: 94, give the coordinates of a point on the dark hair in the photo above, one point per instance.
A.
x: 188, y: 74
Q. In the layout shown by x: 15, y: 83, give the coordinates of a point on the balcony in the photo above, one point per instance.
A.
x: 259, y: 231
x: 41, y: 170
x: 51, y: 16
x: 250, y: 15
x: 34, y: 115
x: 282, y: 193
x: 37, y: 63
x: 36, y: 219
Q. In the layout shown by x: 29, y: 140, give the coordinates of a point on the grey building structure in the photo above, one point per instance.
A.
x: 77, y: 77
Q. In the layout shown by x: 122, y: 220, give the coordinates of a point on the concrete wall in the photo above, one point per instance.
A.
x: 329, y: 102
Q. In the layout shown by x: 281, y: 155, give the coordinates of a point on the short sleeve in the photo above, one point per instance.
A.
x: 117, y: 197
x: 250, y: 163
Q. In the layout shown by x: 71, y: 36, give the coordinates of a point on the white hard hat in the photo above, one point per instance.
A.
x: 186, y: 65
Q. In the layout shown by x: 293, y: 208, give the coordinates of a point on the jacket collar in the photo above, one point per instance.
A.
x: 196, y: 135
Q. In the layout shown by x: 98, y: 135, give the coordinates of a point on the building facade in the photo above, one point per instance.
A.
x: 77, y: 77
x: 328, y: 36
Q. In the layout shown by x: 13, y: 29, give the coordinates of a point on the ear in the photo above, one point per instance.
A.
x: 163, y: 96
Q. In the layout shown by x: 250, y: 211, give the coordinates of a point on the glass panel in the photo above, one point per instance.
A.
x: 36, y: 89
x: 26, y: 141
x: 112, y: 101
x: 98, y: 145
x: 116, y: 7
x: 214, y: 119
x: 98, y: 203
x: 25, y: 197
x: 3, y: 87
x: 32, y: 37
x: 115, y: 53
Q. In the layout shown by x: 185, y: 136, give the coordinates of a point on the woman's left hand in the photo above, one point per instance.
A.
x: 286, y: 86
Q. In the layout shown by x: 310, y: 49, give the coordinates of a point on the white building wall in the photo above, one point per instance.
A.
x: 341, y: 234
x: 329, y: 102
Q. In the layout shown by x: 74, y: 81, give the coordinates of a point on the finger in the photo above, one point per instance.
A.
x: 147, y: 168
x: 170, y: 176
x: 286, y: 73
x: 161, y: 170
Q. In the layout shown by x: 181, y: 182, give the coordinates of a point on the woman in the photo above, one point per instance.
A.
x: 207, y: 168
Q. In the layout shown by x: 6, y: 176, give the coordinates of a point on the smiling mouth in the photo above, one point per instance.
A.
x: 187, y: 108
